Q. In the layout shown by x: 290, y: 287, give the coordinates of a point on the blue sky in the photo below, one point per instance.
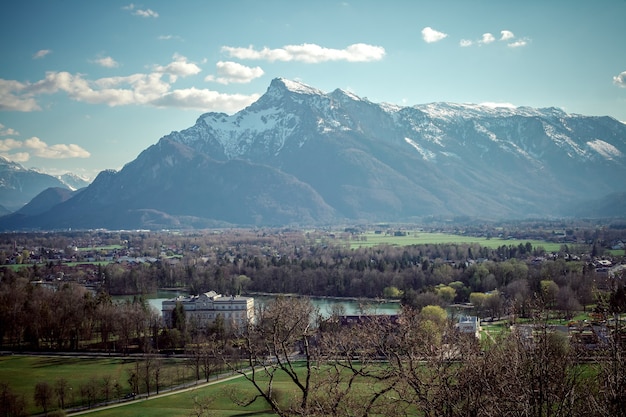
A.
x: 87, y: 85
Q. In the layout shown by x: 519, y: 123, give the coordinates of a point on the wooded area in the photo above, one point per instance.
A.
x: 413, y: 361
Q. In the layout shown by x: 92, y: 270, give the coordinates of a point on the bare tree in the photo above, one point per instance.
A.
x: 11, y: 404
x: 281, y: 335
x: 611, y: 400
x: 202, y: 407
x: 61, y: 388
x: 43, y: 396
x: 89, y: 392
x: 106, y: 386
x: 133, y: 378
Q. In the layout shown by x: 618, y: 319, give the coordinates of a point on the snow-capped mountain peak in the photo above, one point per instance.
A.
x: 279, y: 86
x: 301, y: 156
x: 291, y: 113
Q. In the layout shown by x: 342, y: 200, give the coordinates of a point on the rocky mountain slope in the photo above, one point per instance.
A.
x: 302, y: 156
x: 18, y: 185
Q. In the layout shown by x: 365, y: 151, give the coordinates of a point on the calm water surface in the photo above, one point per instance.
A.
x: 325, y: 305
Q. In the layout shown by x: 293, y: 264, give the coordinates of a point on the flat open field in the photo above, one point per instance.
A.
x: 182, y: 404
x: 100, y: 248
x: 22, y: 373
x: 370, y: 239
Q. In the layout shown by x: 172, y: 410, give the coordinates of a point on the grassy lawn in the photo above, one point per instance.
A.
x: 22, y: 373
x: 370, y: 239
x: 182, y: 404
x: 221, y: 402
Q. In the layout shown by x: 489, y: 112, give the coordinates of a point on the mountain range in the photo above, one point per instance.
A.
x: 300, y: 156
x: 19, y: 185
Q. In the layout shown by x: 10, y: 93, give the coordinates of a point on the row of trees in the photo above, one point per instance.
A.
x: 414, y: 363
x: 146, y: 375
x: 70, y: 317
x: 66, y: 315
x: 418, y: 364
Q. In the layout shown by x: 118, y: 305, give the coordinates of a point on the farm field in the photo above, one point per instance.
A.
x: 370, y: 239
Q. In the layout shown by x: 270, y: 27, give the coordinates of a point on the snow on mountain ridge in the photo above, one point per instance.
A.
x: 452, y: 111
x: 290, y: 109
x: 238, y: 132
x: 605, y: 149
x: 300, y: 88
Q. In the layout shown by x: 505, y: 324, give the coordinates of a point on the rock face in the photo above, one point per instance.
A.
x: 299, y: 156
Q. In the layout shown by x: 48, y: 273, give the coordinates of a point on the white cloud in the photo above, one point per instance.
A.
x: 13, y: 97
x: 17, y: 157
x: 518, y: 43
x: 58, y: 151
x: 106, y: 62
x: 179, y: 67
x: 620, y: 80
x: 310, y: 53
x: 7, y: 131
x: 232, y: 72
x: 205, y: 100
x: 140, y: 12
x: 431, y: 35
x: 487, y: 38
x: 9, y: 144
x: 506, y: 35
x: 37, y: 147
x: 113, y: 91
x: 169, y: 37
x: 149, y: 89
x: 146, y: 13
x: 41, y: 53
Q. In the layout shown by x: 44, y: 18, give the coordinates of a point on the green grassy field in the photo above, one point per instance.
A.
x: 100, y: 248
x: 22, y: 373
x: 370, y: 239
x: 182, y: 404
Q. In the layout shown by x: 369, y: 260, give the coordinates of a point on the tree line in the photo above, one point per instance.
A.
x: 419, y: 364
x: 68, y: 315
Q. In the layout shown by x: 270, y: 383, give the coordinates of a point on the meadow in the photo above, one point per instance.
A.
x: 22, y: 373
x: 370, y: 239
x: 183, y: 404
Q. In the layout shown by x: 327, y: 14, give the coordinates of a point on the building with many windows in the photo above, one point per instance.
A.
x: 206, y: 308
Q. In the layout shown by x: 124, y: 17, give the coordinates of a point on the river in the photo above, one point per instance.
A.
x: 351, y: 306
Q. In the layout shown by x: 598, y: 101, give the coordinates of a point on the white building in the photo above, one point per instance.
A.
x: 205, y: 309
x: 470, y: 325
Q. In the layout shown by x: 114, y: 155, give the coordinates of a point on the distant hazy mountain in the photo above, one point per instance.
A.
x: 18, y: 185
x: 301, y: 156
x: 73, y: 181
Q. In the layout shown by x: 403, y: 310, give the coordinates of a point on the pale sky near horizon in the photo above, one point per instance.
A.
x: 87, y: 85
